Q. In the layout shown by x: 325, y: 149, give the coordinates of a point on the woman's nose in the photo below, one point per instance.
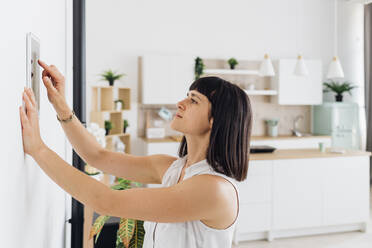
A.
x: 181, y: 105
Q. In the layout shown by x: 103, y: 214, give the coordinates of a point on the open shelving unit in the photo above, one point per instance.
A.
x: 103, y: 108
x: 261, y: 92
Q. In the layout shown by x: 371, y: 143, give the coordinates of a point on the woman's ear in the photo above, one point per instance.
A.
x: 211, y: 123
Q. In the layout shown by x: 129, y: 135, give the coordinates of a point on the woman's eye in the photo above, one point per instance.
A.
x: 193, y: 101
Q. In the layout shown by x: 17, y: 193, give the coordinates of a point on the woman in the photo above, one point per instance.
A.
x: 198, y: 203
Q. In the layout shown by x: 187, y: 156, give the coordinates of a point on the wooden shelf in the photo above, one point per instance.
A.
x: 124, y: 137
x: 119, y: 134
x: 103, y: 98
x: 230, y: 72
x: 261, y: 92
x: 103, y: 108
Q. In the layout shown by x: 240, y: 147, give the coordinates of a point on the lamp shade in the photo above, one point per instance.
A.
x: 266, y: 67
x: 301, y: 68
x: 335, y: 69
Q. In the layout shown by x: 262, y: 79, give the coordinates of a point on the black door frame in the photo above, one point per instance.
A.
x: 79, y: 101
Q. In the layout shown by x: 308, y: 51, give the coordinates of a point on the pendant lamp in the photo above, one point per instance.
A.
x: 266, y: 67
x: 335, y: 68
x: 301, y: 68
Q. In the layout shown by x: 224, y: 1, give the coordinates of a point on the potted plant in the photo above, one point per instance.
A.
x: 119, y: 104
x: 338, y: 88
x: 108, y: 126
x: 126, y: 124
x: 111, y: 76
x: 199, y: 67
x: 232, y: 62
x: 131, y: 232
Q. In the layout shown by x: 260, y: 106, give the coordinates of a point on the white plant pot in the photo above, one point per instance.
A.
x: 118, y: 106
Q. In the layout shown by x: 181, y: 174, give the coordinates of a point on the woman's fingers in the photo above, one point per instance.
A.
x: 49, y: 85
x: 23, y: 116
x: 30, y: 109
x: 51, y: 70
x: 31, y: 95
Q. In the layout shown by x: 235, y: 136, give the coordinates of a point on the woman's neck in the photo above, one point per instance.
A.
x: 196, y: 148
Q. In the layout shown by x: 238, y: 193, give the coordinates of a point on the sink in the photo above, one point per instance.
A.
x: 298, y: 133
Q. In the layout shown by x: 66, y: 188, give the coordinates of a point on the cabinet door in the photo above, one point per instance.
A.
x: 298, y: 90
x: 346, y: 190
x: 165, y: 78
x: 253, y: 217
x: 297, y: 193
x: 257, y: 187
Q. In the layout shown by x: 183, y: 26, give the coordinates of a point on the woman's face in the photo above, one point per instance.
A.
x: 192, y: 114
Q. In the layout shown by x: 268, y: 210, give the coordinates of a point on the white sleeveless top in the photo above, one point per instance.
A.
x: 190, y: 234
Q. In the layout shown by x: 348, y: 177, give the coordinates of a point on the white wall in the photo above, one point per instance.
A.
x: 119, y: 31
x: 32, y: 205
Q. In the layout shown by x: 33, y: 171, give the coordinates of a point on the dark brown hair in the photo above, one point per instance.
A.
x: 228, y: 151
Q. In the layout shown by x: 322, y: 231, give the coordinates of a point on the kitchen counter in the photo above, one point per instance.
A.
x: 305, y: 153
x: 253, y: 138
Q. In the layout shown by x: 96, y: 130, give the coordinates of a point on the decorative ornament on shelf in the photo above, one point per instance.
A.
x: 232, y: 63
x: 335, y: 68
x: 111, y: 76
x: 119, y: 105
x: 301, y: 68
x: 338, y: 88
x: 266, y: 67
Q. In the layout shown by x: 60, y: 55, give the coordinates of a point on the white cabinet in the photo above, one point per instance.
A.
x: 255, y: 199
x: 297, y: 193
x: 346, y: 190
x: 165, y: 79
x: 298, y: 90
x: 253, y: 217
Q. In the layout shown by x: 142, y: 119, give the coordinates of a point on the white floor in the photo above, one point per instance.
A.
x: 340, y: 240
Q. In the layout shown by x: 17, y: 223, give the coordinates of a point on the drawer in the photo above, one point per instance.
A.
x: 254, y: 217
x: 262, y: 167
x: 255, y: 189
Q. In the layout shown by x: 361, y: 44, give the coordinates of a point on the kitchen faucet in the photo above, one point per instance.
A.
x: 295, y: 130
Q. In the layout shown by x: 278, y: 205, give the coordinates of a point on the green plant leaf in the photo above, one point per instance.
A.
x: 97, y: 226
x: 126, y: 230
x: 338, y: 88
x: 138, y: 236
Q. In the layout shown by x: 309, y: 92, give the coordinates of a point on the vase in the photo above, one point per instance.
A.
x: 107, y: 131
x: 232, y: 67
x: 338, y: 98
x: 111, y: 82
x: 125, y: 129
x: 118, y: 106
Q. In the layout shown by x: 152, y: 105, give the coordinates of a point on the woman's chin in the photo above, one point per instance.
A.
x: 174, y: 127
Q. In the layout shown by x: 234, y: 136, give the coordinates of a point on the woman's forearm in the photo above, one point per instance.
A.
x: 83, y: 142
x: 79, y: 185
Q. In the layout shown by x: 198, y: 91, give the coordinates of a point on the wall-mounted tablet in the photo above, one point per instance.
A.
x: 33, y: 74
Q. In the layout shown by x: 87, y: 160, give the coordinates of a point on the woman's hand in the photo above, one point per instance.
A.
x: 32, y: 141
x: 54, y: 82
